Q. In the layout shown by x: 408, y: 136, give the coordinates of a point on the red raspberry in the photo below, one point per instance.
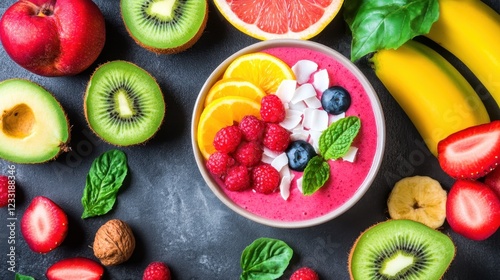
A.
x: 4, y: 191
x: 227, y: 139
x: 156, y: 271
x: 272, y: 109
x: 276, y: 137
x: 265, y: 178
x: 248, y: 154
x: 237, y: 178
x: 218, y: 163
x: 304, y: 273
x: 252, y: 128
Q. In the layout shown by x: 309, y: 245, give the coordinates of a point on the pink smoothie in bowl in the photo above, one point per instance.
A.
x: 348, y: 181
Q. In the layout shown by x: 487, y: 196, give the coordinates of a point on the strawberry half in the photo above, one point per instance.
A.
x: 471, y: 153
x: 44, y: 225
x: 492, y: 180
x: 473, y: 209
x: 75, y: 268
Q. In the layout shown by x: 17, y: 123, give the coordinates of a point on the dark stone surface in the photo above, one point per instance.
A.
x: 174, y: 215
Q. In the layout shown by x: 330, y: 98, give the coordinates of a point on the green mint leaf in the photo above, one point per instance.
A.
x: 315, y: 175
x: 265, y: 259
x: 387, y: 24
x: 104, y: 179
x: 23, y: 277
x: 335, y: 141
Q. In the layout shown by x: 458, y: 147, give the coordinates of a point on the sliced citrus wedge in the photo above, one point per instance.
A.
x: 234, y: 87
x: 262, y: 69
x: 271, y: 19
x: 220, y: 113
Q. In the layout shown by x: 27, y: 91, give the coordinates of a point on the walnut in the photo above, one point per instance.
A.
x: 114, y: 242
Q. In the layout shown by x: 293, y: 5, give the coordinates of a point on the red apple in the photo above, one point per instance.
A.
x: 53, y: 37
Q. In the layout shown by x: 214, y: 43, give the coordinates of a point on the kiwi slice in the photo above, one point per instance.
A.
x: 400, y: 249
x: 123, y: 104
x: 165, y: 26
x: 33, y: 125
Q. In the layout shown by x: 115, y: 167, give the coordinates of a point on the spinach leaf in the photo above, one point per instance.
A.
x: 387, y: 24
x: 104, y: 179
x: 265, y: 259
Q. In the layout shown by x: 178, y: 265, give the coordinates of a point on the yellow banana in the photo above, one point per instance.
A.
x: 470, y: 30
x: 434, y: 95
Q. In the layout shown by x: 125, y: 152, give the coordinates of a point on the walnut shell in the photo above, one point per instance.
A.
x: 114, y: 242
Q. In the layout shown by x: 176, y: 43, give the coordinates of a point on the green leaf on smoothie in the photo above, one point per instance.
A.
x: 315, y: 175
x: 336, y: 140
x: 387, y: 24
x: 265, y: 259
x: 104, y: 179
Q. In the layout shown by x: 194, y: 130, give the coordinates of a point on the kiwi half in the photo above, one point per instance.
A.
x: 400, y: 249
x: 123, y: 104
x: 165, y: 26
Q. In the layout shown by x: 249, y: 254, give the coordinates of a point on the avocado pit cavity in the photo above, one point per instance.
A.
x: 18, y: 122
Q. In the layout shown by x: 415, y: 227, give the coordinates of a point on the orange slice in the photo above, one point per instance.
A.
x: 234, y: 87
x: 272, y: 19
x: 220, y: 113
x: 261, y: 69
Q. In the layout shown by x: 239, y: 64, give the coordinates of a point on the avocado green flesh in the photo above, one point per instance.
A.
x: 33, y: 125
x: 401, y: 249
x: 163, y: 24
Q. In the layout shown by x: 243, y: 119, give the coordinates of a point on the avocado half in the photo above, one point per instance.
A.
x: 33, y: 125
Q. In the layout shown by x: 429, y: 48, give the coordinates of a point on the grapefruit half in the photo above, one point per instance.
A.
x: 274, y: 19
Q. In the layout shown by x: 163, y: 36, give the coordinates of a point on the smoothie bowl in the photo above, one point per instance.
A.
x: 288, y: 133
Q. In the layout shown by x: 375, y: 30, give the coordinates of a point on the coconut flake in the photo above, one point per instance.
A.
x: 299, y: 184
x: 351, y: 154
x: 299, y: 106
x: 303, y: 70
x: 286, y: 90
x: 299, y: 134
x: 315, y: 119
x: 280, y: 161
x: 314, y: 139
x: 313, y: 102
x: 291, y: 122
x: 285, y: 187
x: 270, y: 153
x: 303, y: 92
x: 334, y: 118
x: 321, y: 80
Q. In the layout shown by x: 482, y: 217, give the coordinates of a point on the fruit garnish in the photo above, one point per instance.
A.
x: 304, y: 273
x: 492, y: 180
x: 157, y: 271
x: 248, y: 153
x: 218, y: 163
x: 472, y: 152
x: 4, y: 190
x: 400, y: 249
x: 265, y: 178
x: 75, y: 268
x: 272, y: 109
x: 103, y: 182
x: 269, y: 19
x: 165, y: 27
x: 227, y: 139
x: 265, y: 258
x: 335, y: 100
x: 262, y: 69
x: 237, y: 178
x: 44, y: 225
x: 299, y: 153
x: 252, y: 128
x: 220, y: 113
x: 418, y: 198
x: 234, y: 87
x: 123, y: 104
x: 34, y: 125
x: 473, y: 209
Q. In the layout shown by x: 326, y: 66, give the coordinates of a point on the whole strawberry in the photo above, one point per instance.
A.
x: 156, y: 271
x: 4, y: 191
x: 272, y: 109
x: 265, y: 178
x: 304, y: 273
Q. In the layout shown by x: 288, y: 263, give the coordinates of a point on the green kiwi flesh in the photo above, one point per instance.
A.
x: 165, y: 26
x: 401, y: 249
x: 123, y: 104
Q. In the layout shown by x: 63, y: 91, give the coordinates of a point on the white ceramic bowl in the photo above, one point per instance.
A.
x: 378, y: 116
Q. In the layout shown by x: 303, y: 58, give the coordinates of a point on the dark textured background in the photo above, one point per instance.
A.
x: 174, y: 215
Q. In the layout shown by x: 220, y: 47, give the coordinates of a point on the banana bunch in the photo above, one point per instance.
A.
x: 474, y: 40
x: 435, y: 96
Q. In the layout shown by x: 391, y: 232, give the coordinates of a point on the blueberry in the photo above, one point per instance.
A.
x: 335, y: 100
x: 299, y: 153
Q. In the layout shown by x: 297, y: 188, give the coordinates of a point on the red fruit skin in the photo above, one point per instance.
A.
x: 272, y: 109
x: 64, y: 40
x: 156, y: 271
x: 75, y: 268
x: 227, y: 139
x: 44, y: 225
x: 4, y: 191
x: 276, y: 137
x: 304, y: 273
x: 252, y: 128
x: 473, y: 210
x: 265, y: 178
x: 218, y: 163
x: 492, y: 180
x: 237, y: 178
x: 248, y: 154
x: 471, y: 153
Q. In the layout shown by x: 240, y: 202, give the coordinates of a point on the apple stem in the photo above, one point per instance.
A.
x: 46, y: 10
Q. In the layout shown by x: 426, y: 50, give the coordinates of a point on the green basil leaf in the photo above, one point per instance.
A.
x: 388, y: 24
x: 265, y: 259
x: 335, y: 141
x: 104, y: 179
x: 315, y: 175
x: 23, y: 277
